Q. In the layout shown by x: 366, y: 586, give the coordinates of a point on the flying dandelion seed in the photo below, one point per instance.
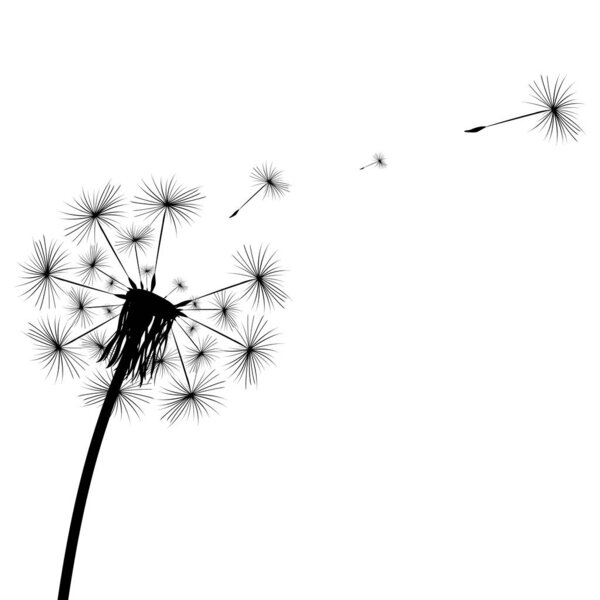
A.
x: 269, y: 181
x: 378, y: 161
x: 556, y: 117
x: 134, y: 342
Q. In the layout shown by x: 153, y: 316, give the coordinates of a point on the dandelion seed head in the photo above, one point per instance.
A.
x: 134, y: 237
x: 91, y: 264
x: 262, y: 270
x: 168, y: 198
x: 226, y: 310
x: 54, y: 351
x: 100, y: 208
x: 202, y: 355
x: 140, y: 348
x: 271, y: 179
x: 78, y: 307
x: 41, y: 272
x: 195, y: 398
x: 179, y: 284
x: 380, y: 160
x: 255, y: 353
x: 559, y: 119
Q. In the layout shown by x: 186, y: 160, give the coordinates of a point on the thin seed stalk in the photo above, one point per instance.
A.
x: 477, y: 129
x: 369, y: 165
x: 260, y: 189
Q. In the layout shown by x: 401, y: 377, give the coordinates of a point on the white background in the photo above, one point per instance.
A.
x: 431, y: 428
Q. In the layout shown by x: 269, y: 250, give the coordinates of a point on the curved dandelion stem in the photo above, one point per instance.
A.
x: 214, y: 330
x: 242, y: 206
x: 476, y: 129
x: 112, y: 396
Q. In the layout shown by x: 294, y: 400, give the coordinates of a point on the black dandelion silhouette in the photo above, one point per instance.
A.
x: 269, y: 181
x: 557, y: 115
x: 119, y: 323
x: 378, y: 161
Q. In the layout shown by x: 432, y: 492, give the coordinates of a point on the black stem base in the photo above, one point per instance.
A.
x: 86, y: 479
